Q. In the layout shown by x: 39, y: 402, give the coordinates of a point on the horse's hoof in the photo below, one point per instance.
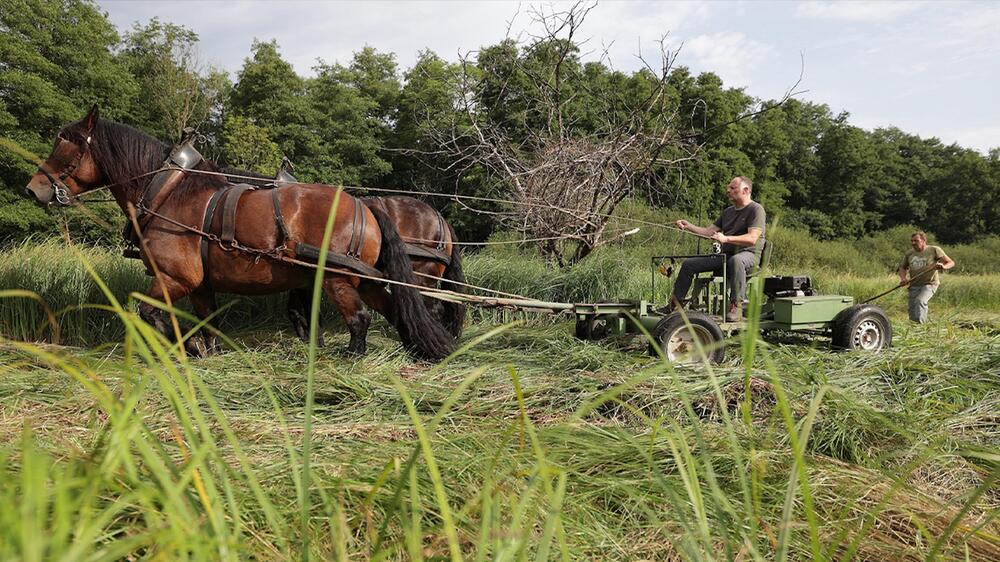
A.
x: 196, y: 347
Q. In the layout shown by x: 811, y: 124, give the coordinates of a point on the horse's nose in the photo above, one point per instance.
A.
x: 27, y: 192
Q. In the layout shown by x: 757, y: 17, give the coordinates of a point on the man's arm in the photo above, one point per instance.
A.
x: 945, y: 263
x: 748, y: 239
x: 904, y: 275
x: 706, y: 232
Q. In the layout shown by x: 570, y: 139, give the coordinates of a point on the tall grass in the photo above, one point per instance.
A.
x: 51, y: 270
x: 56, y: 272
x: 525, y: 444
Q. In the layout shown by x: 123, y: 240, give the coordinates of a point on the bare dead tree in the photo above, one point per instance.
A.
x: 564, y: 167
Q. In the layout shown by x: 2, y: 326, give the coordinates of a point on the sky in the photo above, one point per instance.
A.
x: 929, y: 68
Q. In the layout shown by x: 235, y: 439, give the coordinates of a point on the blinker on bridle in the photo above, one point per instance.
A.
x: 62, y: 193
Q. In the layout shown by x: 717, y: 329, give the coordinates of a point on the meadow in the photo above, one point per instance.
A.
x: 526, y: 444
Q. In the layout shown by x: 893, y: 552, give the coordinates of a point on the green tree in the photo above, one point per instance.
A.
x: 56, y: 59
x: 843, y: 177
x: 896, y: 177
x: 247, y: 146
x: 272, y: 96
x: 178, y: 91
x: 962, y: 198
x: 357, y: 106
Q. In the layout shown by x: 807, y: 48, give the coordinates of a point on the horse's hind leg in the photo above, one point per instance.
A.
x: 347, y: 300
x: 203, y: 300
x: 299, y: 301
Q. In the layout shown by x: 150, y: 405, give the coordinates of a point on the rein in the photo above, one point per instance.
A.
x: 275, y: 254
x: 476, y: 198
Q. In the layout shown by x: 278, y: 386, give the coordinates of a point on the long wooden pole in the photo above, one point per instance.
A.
x: 923, y: 272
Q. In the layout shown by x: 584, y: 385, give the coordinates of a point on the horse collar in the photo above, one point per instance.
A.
x: 182, y: 158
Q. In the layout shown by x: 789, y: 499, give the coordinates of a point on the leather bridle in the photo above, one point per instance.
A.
x: 63, y: 195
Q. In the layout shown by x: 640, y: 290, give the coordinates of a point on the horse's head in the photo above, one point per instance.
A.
x: 70, y: 169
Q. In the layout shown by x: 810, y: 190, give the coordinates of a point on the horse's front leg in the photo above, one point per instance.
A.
x: 203, y: 301
x: 155, y: 317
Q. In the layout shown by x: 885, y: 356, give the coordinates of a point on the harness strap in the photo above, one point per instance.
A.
x: 278, y: 218
x: 311, y: 253
x: 380, y: 201
x: 207, y: 226
x: 423, y: 252
x: 441, y: 232
x: 364, y: 224
x: 416, y: 250
x: 357, y: 231
x: 229, y: 211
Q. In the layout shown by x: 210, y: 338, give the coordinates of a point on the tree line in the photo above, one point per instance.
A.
x: 367, y: 122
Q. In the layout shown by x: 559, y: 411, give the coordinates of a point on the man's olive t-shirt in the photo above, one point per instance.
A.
x: 917, y: 261
x: 736, y: 222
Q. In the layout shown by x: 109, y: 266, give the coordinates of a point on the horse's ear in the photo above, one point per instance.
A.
x: 91, y: 119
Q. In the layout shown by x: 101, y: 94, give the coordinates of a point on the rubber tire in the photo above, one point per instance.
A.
x: 671, y: 324
x: 849, y: 321
x: 585, y: 332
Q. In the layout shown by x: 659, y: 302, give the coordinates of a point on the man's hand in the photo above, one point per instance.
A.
x: 903, y: 282
x: 683, y: 224
x: 939, y: 266
x: 720, y: 237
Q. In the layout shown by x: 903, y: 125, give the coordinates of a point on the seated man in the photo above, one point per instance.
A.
x: 740, y: 230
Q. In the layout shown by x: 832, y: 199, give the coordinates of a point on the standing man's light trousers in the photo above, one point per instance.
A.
x: 738, y: 266
x: 920, y: 295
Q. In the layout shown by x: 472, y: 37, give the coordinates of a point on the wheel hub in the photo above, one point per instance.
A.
x: 681, y: 348
x: 868, y: 336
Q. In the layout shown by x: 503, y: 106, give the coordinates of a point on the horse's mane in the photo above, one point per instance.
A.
x: 125, y: 154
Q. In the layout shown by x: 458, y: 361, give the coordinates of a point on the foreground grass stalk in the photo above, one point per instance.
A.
x: 441, y: 496
x: 306, y: 473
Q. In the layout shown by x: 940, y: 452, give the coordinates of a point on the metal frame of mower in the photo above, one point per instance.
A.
x: 789, y: 304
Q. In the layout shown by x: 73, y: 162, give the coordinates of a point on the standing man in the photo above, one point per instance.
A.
x: 740, y: 230
x: 923, y: 262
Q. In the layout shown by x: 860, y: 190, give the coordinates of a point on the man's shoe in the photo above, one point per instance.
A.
x: 735, y: 313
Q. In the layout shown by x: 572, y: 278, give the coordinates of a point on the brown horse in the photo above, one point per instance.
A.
x: 94, y: 152
x: 429, y: 242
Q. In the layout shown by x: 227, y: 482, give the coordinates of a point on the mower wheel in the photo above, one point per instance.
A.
x: 591, y: 328
x: 862, y: 326
x: 677, y: 339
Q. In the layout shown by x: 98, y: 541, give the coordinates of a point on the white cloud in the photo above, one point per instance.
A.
x: 910, y: 69
x: 979, y: 138
x: 870, y: 12
x: 730, y: 55
x: 982, y: 21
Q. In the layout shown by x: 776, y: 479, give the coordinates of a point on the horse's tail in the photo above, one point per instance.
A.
x: 453, y: 313
x: 418, y: 329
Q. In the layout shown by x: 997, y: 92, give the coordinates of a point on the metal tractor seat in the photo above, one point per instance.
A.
x: 709, y: 289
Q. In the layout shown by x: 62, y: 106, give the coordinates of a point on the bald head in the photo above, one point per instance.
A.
x: 739, y: 191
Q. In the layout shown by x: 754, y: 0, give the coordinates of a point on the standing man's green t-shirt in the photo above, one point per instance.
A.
x: 918, y: 261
